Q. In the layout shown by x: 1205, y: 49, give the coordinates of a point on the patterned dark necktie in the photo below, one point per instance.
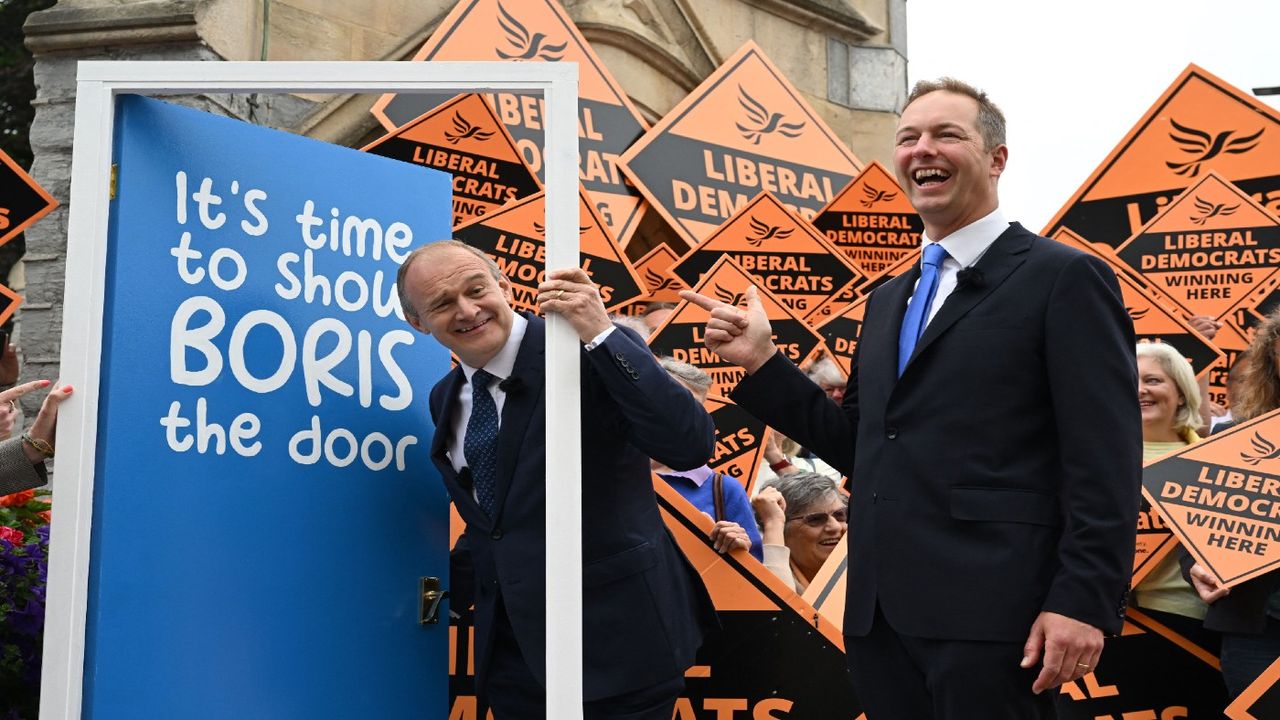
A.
x: 480, y: 444
x: 915, y: 319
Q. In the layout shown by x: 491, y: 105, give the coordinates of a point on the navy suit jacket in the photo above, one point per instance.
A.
x: 1000, y: 475
x: 645, y: 608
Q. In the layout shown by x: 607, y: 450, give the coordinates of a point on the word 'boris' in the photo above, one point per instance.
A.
x: 318, y: 367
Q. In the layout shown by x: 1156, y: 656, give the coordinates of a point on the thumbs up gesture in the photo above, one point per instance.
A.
x: 741, y: 336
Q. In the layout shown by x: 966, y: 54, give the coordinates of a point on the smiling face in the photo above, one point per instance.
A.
x: 1159, y: 400
x: 459, y: 301
x: 943, y: 163
x: 811, y: 545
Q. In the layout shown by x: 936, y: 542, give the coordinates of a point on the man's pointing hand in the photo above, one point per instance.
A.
x: 740, y: 336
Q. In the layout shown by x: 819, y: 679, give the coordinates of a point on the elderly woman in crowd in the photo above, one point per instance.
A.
x: 803, y: 516
x: 1247, y: 615
x: 1170, y: 400
x: 22, y: 458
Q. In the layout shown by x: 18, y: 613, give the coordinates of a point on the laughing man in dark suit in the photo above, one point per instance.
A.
x: 645, y: 609
x: 991, y: 435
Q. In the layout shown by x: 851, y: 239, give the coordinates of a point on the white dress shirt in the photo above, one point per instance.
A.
x: 964, y: 247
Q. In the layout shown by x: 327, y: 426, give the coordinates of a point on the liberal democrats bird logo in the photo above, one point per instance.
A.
x: 542, y: 229
x: 726, y: 296
x: 1266, y: 450
x: 763, y: 122
x: 764, y: 231
x: 526, y: 46
x: 657, y: 282
x: 1205, y: 147
x: 874, y: 196
x: 464, y: 130
x: 1209, y: 210
x: 1137, y: 313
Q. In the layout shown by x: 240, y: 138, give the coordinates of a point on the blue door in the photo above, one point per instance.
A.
x: 264, y: 504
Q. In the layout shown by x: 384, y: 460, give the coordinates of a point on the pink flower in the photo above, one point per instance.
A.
x: 13, y: 535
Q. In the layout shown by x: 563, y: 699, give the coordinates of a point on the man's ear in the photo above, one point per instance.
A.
x: 505, y: 286
x: 999, y: 158
x: 416, y: 323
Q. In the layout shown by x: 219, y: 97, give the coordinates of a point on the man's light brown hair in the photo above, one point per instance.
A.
x: 990, y: 119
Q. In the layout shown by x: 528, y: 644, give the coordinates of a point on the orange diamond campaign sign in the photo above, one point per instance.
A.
x: 464, y: 137
x: 784, y: 254
x: 841, y: 331
x: 739, y: 441
x: 744, y: 130
x: 1154, y: 542
x: 872, y: 220
x: 681, y: 336
x: 764, y: 620
x: 1208, y: 249
x: 540, y: 31
x: 1221, y: 497
x: 1152, y: 321
x: 1200, y: 123
x: 655, y: 270
x: 513, y: 236
x: 22, y: 200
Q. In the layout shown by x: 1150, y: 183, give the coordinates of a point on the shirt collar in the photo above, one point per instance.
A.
x: 501, y: 365
x: 968, y: 243
x: 697, y: 476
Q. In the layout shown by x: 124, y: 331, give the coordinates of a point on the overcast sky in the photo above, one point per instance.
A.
x: 1074, y: 77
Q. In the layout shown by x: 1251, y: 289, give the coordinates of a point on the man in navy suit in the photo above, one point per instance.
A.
x: 991, y: 435
x: 646, y: 609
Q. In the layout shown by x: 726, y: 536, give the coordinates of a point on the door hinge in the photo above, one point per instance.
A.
x: 115, y: 171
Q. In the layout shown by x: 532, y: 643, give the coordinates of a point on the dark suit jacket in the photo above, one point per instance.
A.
x: 645, y: 608
x: 1000, y: 476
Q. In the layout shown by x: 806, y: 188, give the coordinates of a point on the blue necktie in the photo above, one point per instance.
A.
x: 481, y: 442
x: 914, y: 320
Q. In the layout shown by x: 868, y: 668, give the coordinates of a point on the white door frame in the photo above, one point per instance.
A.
x: 97, y: 85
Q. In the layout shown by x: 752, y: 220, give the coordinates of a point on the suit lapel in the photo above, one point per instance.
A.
x: 444, y: 430
x: 522, y: 403
x: 1001, y: 259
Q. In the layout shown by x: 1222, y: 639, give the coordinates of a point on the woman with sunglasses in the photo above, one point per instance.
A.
x: 802, y: 516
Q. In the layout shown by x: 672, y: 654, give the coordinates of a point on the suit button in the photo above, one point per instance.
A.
x: 620, y: 356
x: 496, y: 534
x: 875, y: 497
x: 891, y: 433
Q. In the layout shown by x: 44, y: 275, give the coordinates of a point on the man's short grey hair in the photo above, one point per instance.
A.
x: 686, y: 373
x: 430, y: 248
x: 804, y: 490
x: 825, y: 372
x: 631, y: 322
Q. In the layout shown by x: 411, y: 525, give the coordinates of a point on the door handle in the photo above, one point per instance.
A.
x: 429, y: 596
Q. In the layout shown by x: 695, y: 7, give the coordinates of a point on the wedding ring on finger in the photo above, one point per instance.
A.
x: 559, y: 294
x: 13, y: 405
